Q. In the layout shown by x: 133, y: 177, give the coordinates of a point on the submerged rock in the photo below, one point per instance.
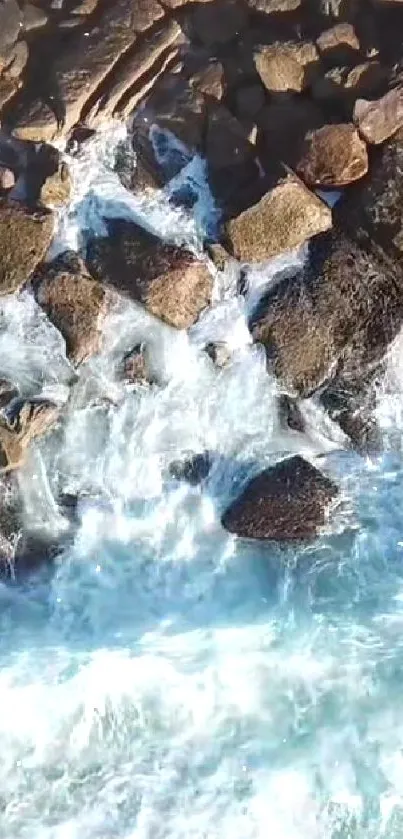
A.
x: 282, y: 220
x: 135, y: 366
x: 74, y: 302
x: 285, y: 502
x: 169, y: 281
x: 30, y: 419
x: 193, y: 469
x: 333, y: 156
x: 25, y: 235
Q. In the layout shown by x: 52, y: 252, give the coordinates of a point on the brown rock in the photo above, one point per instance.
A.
x: 74, y: 302
x: 335, y: 320
x: 33, y: 17
x: 170, y: 282
x: 16, y: 61
x: 56, y: 189
x: 270, y: 7
x: 31, y: 420
x: 282, y: 220
x: 287, y: 67
x: 135, y: 367
x: 10, y: 25
x: 379, y: 120
x: 7, y: 178
x: 333, y: 156
x: 209, y: 80
x: 339, y: 44
x: 285, y: 502
x: 218, y: 22
x: 25, y: 236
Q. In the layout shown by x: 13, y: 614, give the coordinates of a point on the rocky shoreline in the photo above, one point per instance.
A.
x: 281, y: 98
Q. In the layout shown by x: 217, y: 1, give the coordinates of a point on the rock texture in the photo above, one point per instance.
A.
x: 282, y: 220
x: 287, y: 67
x: 287, y: 502
x: 170, y: 282
x: 25, y: 235
x: 379, y: 120
x: 30, y: 420
x: 333, y: 156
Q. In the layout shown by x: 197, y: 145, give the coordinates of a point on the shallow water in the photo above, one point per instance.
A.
x: 167, y: 681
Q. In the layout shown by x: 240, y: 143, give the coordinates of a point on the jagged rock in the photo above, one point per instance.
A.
x: 170, y: 282
x: 25, y: 236
x: 287, y: 67
x: 176, y: 107
x: 56, y: 189
x: 283, y: 128
x: 372, y: 209
x: 344, y: 84
x: 33, y: 17
x: 333, y: 156
x: 193, y: 469
x: 30, y: 420
x: 80, y: 68
x: 339, y: 45
x: 10, y: 25
x: 8, y: 89
x: 285, y: 502
x: 282, y: 220
x: 333, y: 321
x: 7, y: 178
x: 218, y: 22
x: 74, y: 302
x: 379, y: 120
x: 85, y: 7
x: 209, y: 80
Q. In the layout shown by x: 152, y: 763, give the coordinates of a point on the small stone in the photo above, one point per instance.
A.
x: 333, y: 156
x: 379, y: 120
x: 286, y: 502
x: 7, y: 178
x: 282, y: 220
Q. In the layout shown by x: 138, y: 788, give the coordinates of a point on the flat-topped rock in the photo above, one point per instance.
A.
x: 286, y: 502
x: 286, y: 67
x: 282, y: 220
x: 169, y: 281
x: 380, y: 119
x: 334, y: 156
x: 25, y: 235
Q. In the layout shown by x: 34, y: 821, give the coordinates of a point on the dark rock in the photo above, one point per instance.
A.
x: 345, y: 85
x: 194, y: 469
x: 56, y: 188
x: 10, y: 26
x: 16, y: 61
x: 219, y: 22
x: 288, y: 501
x: 283, y: 127
x: 249, y: 100
x: 273, y: 7
x: 74, y: 302
x: 209, y: 80
x: 219, y: 352
x: 379, y: 120
x: 8, y: 392
x: 25, y: 236
x: 283, y: 219
x: 226, y: 142
x: 339, y: 45
x: 333, y: 156
x: 290, y: 415
x: 170, y: 282
x: 287, y: 67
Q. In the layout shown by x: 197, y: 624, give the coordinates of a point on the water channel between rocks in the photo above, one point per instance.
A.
x: 167, y: 680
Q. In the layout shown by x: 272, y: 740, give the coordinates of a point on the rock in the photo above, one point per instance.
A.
x: 218, y: 22
x: 290, y: 415
x: 170, y: 282
x: 85, y: 7
x: 341, y: 83
x: 8, y: 89
x: 33, y: 17
x: 31, y: 419
x: 218, y: 255
x: 271, y: 7
x: 135, y: 366
x: 194, y: 469
x: 282, y: 220
x: 25, y: 236
x: 249, y: 100
x: 371, y: 210
x: 333, y: 156
x: 10, y: 25
x: 287, y: 67
x: 219, y: 352
x: 285, y: 502
x: 209, y: 80
x: 74, y: 302
x: 226, y: 141
x: 338, y: 45
x: 16, y: 61
x: 283, y: 127
x: 335, y: 320
x: 176, y: 107
x: 8, y: 392
x: 7, y: 178
x: 56, y: 189
x: 379, y: 120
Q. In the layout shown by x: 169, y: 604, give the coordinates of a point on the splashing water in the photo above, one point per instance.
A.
x: 167, y: 681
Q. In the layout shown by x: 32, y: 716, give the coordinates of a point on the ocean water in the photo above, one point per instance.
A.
x: 166, y: 681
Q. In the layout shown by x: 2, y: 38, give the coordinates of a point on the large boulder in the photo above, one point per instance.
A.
x: 333, y: 156
x: 286, y: 502
x: 25, y: 235
x: 169, y: 281
x: 282, y: 220
x: 74, y: 302
x: 380, y: 119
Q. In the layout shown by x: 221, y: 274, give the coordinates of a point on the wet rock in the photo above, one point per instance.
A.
x: 7, y: 178
x: 333, y: 156
x: 226, y: 141
x: 283, y: 128
x: 333, y: 321
x: 285, y: 502
x: 135, y: 366
x: 178, y: 108
x: 270, y: 7
x: 219, y: 352
x: 56, y: 189
x: 287, y: 67
x: 193, y: 469
x: 30, y: 420
x: 8, y: 392
x: 169, y: 281
x: 219, y: 22
x: 339, y: 45
x: 74, y: 302
x: 371, y: 210
x: 282, y: 220
x: 25, y: 236
x: 379, y: 120
x: 10, y: 26
x: 290, y: 415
